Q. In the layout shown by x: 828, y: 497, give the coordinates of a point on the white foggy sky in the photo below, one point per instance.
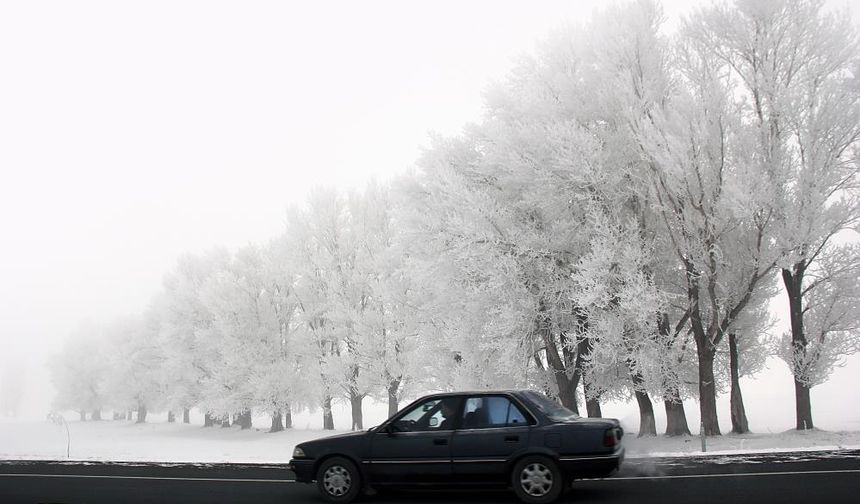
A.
x: 133, y: 132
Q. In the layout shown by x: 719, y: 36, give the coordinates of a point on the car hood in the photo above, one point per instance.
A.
x: 321, y: 441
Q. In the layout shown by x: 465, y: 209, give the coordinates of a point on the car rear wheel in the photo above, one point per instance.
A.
x: 537, y: 480
x: 338, y: 480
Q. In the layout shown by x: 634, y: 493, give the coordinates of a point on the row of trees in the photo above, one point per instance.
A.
x: 614, y: 228
x: 318, y: 314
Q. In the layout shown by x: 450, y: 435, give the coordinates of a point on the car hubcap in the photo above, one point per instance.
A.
x: 536, y: 480
x: 337, y: 480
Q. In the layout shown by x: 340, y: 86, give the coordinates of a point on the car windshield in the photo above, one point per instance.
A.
x: 553, y: 410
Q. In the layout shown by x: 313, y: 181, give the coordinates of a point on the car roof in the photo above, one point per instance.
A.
x: 477, y: 392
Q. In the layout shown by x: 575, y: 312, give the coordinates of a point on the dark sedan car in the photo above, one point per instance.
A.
x: 518, y: 438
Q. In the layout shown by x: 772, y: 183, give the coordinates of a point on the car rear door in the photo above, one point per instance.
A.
x: 492, y: 428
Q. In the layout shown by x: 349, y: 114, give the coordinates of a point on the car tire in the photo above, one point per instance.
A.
x: 536, y: 479
x: 338, y: 480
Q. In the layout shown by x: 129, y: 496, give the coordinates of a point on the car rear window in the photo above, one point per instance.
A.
x: 550, y: 408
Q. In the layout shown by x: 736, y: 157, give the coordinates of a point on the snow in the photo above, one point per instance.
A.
x: 174, y: 443
x: 149, y: 442
x: 731, y: 444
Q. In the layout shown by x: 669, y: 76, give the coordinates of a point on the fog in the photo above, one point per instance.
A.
x: 133, y: 133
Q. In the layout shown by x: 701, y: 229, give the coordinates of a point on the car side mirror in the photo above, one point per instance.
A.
x: 390, y: 429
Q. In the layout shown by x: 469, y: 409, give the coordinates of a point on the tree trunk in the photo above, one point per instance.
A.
x: 208, y: 420
x: 288, y: 417
x: 647, y: 424
x: 793, y: 281
x: 83, y: 415
x: 708, y: 393
x: 566, y: 385
x: 592, y: 407
x: 277, y: 422
x: 355, y: 400
x: 559, y: 362
x: 186, y: 416
x: 393, y: 402
x: 244, y: 419
x: 328, y: 418
x: 225, y: 421
x: 96, y: 414
x: 676, y: 418
x: 129, y: 415
x: 803, y: 406
x: 740, y: 425
x: 583, y: 350
x: 706, y: 340
x: 171, y: 417
x: 566, y: 391
x: 141, y: 414
x: 592, y: 400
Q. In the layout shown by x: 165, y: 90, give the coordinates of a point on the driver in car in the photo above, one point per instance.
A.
x: 447, y: 412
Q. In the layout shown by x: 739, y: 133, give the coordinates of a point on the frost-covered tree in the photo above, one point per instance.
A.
x: 515, y: 204
x: 829, y: 321
x: 796, y: 68
x: 184, y: 322
x: 247, y: 335
x: 135, y: 382
x: 313, y: 244
x: 627, y: 58
x: 615, y: 280
x: 80, y: 373
x: 709, y: 195
x: 351, y: 295
x: 387, y: 320
x: 279, y: 377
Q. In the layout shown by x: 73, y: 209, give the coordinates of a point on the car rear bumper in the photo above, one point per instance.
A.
x: 304, y: 469
x: 592, y: 466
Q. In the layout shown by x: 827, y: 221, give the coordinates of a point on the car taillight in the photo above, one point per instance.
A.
x: 609, y: 438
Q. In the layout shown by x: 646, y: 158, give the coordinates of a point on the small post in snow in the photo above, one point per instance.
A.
x: 59, y: 419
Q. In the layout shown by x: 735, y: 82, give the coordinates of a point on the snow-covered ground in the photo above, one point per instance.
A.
x: 151, y: 442
x: 163, y: 442
x: 791, y: 440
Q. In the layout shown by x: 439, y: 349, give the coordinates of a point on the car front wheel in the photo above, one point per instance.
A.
x: 338, y: 480
x: 537, y: 480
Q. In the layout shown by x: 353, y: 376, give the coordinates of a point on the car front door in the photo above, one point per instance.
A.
x: 415, y: 447
x: 491, y: 430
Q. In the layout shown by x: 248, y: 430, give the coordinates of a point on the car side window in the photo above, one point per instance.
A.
x: 516, y: 416
x: 431, y: 415
x: 491, y: 411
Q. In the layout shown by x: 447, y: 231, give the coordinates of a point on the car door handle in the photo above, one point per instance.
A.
x: 440, y: 441
x: 512, y: 439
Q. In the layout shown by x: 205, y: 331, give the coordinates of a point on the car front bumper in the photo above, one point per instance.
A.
x: 303, y: 469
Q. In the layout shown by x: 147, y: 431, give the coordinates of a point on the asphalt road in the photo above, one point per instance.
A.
x: 801, y: 477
